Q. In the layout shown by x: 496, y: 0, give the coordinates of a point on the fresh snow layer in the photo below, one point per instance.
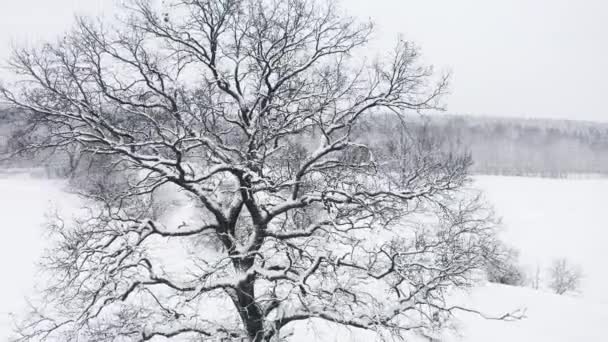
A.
x: 543, y: 218
x: 24, y: 205
x: 553, y: 218
x: 548, y: 318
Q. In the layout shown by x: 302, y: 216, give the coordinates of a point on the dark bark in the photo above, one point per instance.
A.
x: 244, y: 299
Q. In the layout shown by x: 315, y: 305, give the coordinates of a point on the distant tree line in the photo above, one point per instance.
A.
x: 514, y: 147
x: 498, y: 146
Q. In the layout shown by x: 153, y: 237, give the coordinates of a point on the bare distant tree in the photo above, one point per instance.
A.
x: 536, y: 278
x: 564, y: 277
x: 250, y: 110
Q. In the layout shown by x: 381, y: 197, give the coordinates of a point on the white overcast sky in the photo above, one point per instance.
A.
x: 530, y: 58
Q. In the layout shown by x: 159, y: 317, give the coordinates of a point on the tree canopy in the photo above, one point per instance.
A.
x: 250, y: 112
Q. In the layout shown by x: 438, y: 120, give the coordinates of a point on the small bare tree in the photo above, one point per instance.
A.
x: 564, y: 277
x: 536, y: 278
x: 250, y: 110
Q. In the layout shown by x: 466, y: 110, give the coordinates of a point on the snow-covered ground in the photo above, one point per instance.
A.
x: 543, y: 218
x: 24, y: 204
x: 552, y: 218
x: 549, y: 318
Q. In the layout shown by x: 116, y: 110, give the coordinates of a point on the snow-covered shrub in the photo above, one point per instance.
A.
x: 564, y: 276
x: 504, y: 268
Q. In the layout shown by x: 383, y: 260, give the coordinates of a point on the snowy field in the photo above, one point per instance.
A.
x: 24, y: 204
x: 543, y: 218
x: 551, y: 218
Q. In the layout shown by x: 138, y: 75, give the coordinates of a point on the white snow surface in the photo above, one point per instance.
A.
x: 543, y: 218
x: 548, y: 318
x: 553, y: 218
x: 25, y: 203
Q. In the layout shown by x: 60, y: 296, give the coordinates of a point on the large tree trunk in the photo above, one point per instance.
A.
x: 250, y: 312
x: 251, y: 315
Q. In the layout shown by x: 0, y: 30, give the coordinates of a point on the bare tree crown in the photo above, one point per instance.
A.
x: 252, y: 109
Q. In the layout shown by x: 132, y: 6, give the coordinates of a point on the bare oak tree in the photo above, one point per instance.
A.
x: 250, y: 110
